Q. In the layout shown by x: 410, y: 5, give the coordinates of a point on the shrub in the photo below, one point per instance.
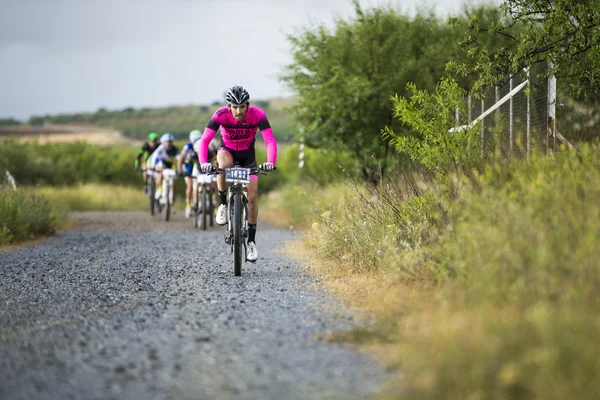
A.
x: 24, y: 216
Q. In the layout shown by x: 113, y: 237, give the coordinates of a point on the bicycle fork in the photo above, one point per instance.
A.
x: 229, y: 236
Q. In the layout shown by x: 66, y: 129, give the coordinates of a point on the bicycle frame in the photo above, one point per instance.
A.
x: 151, y: 192
x: 237, y: 225
x: 204, y: 206
x: 237, y: 189
x: 167, y: 190
x: 151, y: 185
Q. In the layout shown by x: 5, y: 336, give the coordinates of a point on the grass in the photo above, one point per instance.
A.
x: 488, y: 294
x: 98, y: 197
x: 24, y: 216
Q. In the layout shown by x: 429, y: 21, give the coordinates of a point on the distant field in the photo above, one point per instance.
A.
x: 66, y: 134
x: 106, y: 126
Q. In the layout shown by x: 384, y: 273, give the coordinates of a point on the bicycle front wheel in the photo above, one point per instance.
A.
x: 151, y: 193
x: 167, y: 200
x: 238, y: 245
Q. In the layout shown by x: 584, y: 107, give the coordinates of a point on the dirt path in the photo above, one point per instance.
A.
x: 124, y: 307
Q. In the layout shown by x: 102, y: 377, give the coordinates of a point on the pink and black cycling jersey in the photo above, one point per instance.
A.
x: 238, y: 136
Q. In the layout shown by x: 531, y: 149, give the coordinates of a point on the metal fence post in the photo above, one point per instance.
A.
x: 551, y: 126
x: 528, y: 114
x: 482, y: 128
x: 510, y: 117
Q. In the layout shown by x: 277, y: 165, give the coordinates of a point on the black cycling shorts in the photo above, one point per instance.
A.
x: 245, y: 158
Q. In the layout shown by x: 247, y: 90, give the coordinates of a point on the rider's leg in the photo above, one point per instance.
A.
x: 252, y: 252
x: 188, y: 190
x: 252, y: 204
x: 195, y: 191
x: 213, y: 188
x: 159, y: 177
x: 145, y: 175
x: 252, y: 209
x: 174, y: 189
x: 225, y: 160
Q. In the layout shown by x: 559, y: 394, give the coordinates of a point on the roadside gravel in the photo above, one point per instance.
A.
x: 124, y: 307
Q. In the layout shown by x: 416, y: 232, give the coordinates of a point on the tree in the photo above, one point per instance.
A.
x: 344, y: 78
x: 437, y: 143
x: 563, y: 33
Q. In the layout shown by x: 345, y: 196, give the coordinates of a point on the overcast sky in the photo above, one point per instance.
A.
x: 61, y: 56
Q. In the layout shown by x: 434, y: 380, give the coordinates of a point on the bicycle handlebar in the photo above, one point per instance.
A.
x: 253, y: 170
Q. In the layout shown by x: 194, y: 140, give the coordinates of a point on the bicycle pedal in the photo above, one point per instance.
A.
x: 252, y: 261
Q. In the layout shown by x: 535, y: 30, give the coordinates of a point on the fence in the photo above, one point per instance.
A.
x: 518, y: 117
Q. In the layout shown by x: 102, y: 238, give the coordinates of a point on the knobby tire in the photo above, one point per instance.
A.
x: 151, y: 194
x: 205, y: 208
x: 238, y: 246
x: 167, y: 202
x: 211, y: 207
x: 197, y: 213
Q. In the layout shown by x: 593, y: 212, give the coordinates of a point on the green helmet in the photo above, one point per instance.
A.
x: 153, y: 137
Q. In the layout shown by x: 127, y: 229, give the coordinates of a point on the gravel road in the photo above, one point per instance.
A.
x: 124, y: 307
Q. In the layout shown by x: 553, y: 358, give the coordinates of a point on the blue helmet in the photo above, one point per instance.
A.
x: 167, y: 137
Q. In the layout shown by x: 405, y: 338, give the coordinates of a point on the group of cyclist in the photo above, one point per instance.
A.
x: 238, y: 123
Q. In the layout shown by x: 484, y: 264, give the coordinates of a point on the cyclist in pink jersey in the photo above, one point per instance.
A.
x: 239, y: 122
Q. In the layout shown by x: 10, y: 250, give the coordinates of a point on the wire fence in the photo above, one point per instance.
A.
x: 518, y: 117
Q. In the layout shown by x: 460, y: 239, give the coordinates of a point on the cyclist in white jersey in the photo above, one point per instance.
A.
x: 164, y: 157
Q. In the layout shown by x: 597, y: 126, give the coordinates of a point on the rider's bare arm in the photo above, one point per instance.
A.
x: 180, y: 161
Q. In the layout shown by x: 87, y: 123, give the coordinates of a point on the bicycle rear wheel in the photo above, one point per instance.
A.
x: 151, y: 193
x: 211, y: 207
x: 167, y: 199
x: 197, y: 212
x: 205, y: 209
x: 238, y: 246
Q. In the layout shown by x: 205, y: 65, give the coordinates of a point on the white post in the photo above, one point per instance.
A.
x: 510, y: 117
x: 551, y: 127
x: 301, y: 156
x: 482, y: 127
x: 497, y: 90
x: 528, y: 115
x: 469, y: 108
x: 11, y: 180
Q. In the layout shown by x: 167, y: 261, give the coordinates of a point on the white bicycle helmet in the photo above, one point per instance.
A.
x: 213, y: 146
x: 167, y: 137
x: 195, y: 135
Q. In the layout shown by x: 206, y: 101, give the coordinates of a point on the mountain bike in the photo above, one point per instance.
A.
x: 237, y: 207
x: 205, y: 205
x: 164, y: 199
x: 151, y: 185
x: 151, y: 191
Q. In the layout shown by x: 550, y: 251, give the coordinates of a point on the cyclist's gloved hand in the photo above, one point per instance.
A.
x: 205, y: 167
x: 268, y: 166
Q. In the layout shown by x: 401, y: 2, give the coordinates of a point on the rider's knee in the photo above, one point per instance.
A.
x: 251, y: 198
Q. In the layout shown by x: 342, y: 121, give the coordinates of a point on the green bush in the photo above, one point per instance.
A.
x: 68, y: 163
x: 24, y: 216
x: 530, y: 233
x: 511, y: 270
